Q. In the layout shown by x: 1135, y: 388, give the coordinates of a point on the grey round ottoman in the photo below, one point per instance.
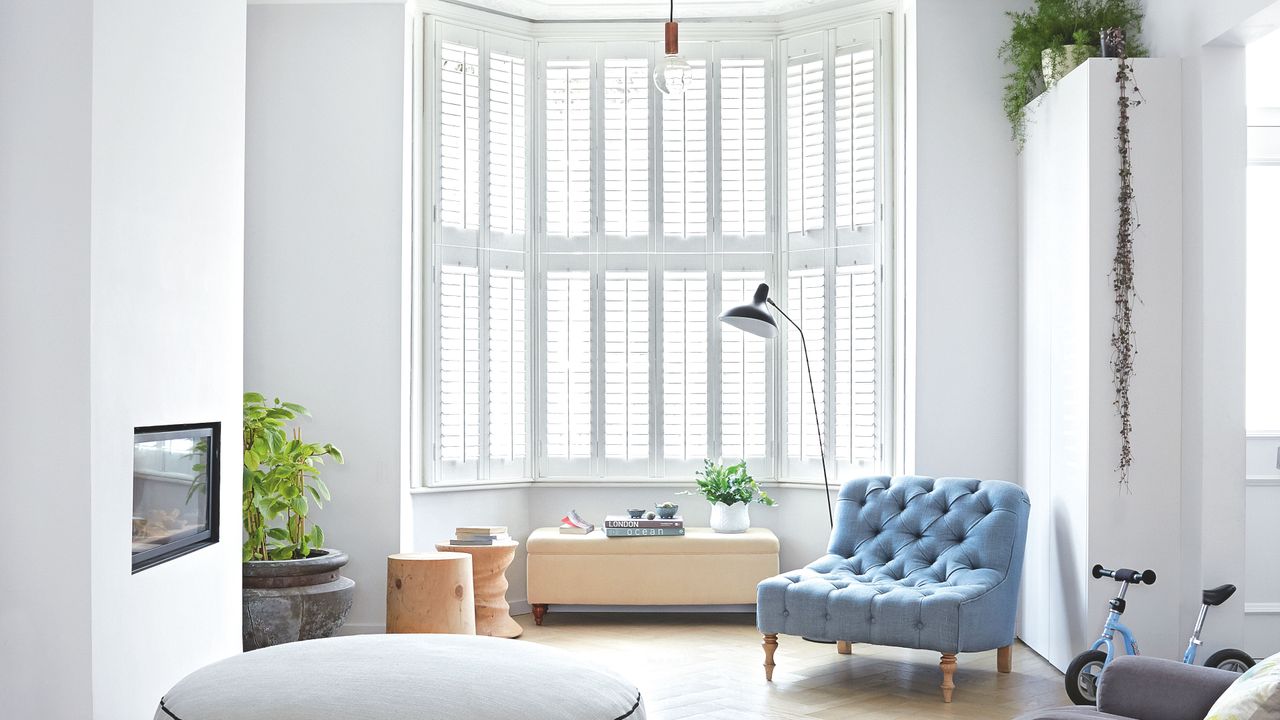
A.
x: 403, y: 677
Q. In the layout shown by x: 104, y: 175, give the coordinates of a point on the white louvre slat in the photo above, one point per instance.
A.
x: 855, y: 365
x: 626, y: 147
x: 855, y: 136
x: 568, y: 148
x: 684, y: 365
x: 626, y: 365
x: 507, y: 146
x: 684, y: 158
x: 459, y: 135
x: 744, y: 405
x: 743, y: 168
x: 507, y: 435
x: 568, y: 365
x: 806, y: 145
x: 806, y: 304
x: 459, y: 388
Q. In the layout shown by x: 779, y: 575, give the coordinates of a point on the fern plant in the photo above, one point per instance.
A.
x: 1050, y: 25
x: 728, y: 484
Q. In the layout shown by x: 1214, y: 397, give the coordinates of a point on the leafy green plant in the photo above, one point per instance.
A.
x: 1050, y: 25
x: 728, y: 484
x: 281, y: 479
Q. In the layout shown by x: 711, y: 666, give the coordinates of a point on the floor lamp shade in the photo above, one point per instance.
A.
x: 753, y: 317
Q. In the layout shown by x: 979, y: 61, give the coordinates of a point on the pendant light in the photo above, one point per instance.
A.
x: 673, y: 73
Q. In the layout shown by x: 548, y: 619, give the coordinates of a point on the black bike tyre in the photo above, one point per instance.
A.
x: 1077, y: 666
x: 1230, y: 656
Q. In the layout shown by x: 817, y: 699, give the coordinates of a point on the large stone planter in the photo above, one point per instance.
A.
x: 287, y: 600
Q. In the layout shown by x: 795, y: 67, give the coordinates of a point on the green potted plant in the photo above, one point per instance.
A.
x: 1051, y: 39
x: 292, y: 586
x: 730, y: 490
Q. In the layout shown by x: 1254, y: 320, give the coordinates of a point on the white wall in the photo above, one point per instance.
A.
x: 1208, y: 36
x: 121, y: 206
x: 45, y: 78
x: 325, y: 236
x: 962, y: 395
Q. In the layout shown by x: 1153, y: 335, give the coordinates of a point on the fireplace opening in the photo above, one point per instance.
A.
x: 175, y: 491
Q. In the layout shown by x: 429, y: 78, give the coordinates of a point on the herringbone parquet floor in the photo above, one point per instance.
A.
x: 708, y: 667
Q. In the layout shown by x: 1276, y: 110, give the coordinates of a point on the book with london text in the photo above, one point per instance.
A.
x: 643, y: 532
x: 622, y: 521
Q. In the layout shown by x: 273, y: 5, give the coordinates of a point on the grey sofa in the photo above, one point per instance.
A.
x: 1143, y: 688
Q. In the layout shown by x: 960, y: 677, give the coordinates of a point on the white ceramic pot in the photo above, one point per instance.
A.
x: 1056, y: 63
x: 730, y: 518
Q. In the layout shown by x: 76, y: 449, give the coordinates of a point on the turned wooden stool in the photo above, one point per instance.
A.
x: 430, y: 593
x: 489, y: 571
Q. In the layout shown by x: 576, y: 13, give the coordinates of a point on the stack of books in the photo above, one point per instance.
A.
x: 623, y: 526
x: 480, y: 535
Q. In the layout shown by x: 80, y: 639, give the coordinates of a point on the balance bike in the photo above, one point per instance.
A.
x: 1085, y: 671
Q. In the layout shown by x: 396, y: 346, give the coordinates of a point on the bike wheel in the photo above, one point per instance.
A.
x: 1083, y: 676
x: 1231, y: 660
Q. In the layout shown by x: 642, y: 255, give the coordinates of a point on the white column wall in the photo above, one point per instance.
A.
x: 325, y: 229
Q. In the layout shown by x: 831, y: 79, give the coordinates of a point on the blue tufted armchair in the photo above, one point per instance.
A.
x: 913, y: 562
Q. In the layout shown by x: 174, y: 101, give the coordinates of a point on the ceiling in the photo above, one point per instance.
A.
x: 555, y: 10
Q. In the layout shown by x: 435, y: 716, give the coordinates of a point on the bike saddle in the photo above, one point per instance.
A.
x: 1217, y: 596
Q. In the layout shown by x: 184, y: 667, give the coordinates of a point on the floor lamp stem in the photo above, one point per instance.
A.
x: 813, y: 395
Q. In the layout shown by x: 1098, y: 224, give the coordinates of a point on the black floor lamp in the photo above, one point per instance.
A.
x: 756, y: 319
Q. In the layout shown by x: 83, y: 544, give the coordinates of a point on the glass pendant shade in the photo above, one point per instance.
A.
x: 672, y: 76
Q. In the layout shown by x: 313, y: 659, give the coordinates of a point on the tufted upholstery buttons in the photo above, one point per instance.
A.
x: 905, y: 556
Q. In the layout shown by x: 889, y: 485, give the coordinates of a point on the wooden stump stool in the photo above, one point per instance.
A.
x: 489, y: 568
x: 430, y: 593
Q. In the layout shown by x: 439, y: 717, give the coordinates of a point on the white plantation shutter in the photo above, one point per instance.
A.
x: 684, y: 159
x: 684, y: 365
x: 743, y: 164
x: 507, y: 145
x: 459, y: 387
x: 568, y: 364
x: 806, y: 304
x: 626, y: 365
x: 507, y: 391
x: 855, y: 137
x: 743, y: 356
x: 568, y: 148
x: 855, y: 365
x: 626, y: 147
x: 459, y: 135
x: 806, y: 145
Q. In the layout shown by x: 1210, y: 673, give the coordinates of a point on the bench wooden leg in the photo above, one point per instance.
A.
x: 844, y: 647
x: 948, y: 673
x: 1004, y: 659
x: 770, y: 645
x: 539, y: 612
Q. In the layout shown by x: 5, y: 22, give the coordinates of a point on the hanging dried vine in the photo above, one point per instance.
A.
x: 1123, y: 349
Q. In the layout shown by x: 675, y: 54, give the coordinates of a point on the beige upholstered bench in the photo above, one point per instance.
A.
x: 698, y: 568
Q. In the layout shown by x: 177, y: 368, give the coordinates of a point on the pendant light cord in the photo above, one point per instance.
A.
x: 673, y: 10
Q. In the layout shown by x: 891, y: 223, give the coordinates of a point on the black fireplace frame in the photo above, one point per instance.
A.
x: 204, y: 538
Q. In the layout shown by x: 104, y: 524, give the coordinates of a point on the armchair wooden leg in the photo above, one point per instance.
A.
x: 539, y: 612
x: 770, y: 645
x: 948, y: 672
x: 1004, y: 659
x: 844, y: 647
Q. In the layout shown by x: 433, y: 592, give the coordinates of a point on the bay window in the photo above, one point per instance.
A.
x: 585, y: 232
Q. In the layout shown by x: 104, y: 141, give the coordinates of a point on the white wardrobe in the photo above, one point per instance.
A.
x: 1070, y: 445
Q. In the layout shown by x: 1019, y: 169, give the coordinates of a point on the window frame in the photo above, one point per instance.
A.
x: 775, y: 470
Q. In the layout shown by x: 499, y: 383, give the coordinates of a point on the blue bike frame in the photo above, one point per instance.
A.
x: 1113, y: 626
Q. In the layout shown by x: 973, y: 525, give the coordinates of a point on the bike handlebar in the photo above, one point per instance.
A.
x: 1126, y: 575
